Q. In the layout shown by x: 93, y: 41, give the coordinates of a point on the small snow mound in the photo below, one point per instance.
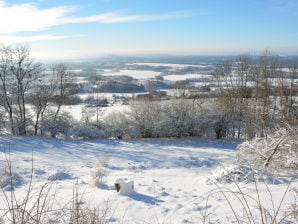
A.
x: 231, y: 173
x: 234, y: 173
x: 124, y: 188
x: 60, y: 175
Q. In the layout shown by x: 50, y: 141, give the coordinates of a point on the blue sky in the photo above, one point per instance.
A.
x: 67, y: 29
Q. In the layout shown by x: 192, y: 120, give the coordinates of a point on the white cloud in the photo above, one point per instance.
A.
x: 11, y: 39
x: 116, y: 17
x: 27, y: 17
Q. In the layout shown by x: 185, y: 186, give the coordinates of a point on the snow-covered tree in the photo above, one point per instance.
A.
x: 118, y: 125
x: 146, y: 116
x: 40, y: 100
x: 85, y: 131
x: 255, y: 93
x: 278, y: 151
x: 61, y: 125
x: 61, y: 85
x: 183, y: 117
x: 18, y: 72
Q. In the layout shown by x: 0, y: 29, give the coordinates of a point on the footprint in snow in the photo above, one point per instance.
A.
x: 164, y: 194
x: 39, y: 172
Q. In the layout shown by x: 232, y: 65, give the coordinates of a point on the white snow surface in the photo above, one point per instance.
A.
x: 185, y: 76
x: 169, y: 65
x: 171, y: 176
x: 137, y: 74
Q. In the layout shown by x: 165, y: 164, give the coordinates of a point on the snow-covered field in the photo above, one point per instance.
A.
x: 109, y: 96
x: 172, y: 177
x: 169, y: 65
x: 137, y: 74
x: 76, y: 111
x: 186, y: 76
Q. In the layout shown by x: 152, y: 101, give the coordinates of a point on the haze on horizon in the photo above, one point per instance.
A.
x: 55, y: 29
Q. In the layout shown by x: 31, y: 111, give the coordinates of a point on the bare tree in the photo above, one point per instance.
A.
x: 146, y: 115
x: 254, y: 94
x: 40, y: 100
x: 17, y: 74
x: 232, y: 82
x: 61, y: 85
x: 293, y: 91
x: 6, y: 99
x: 25, y: 72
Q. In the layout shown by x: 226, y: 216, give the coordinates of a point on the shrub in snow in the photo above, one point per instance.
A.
x: 99, y: 177
x: 235, y: 173
x: 252, y: 205
x: 124, y: 188
x: 146, y: 117
x: 186, y: 117
x: 231, y: 173
x: 150, y: 119
x: 118, y: 125
x: 104, y: 161
x: 59, y: 126
x: 10, y: 180
x: 276, y: 152
x: 101, y: 172
x: 86, y: 132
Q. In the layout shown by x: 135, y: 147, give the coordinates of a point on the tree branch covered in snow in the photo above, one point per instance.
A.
x: 278, y: 150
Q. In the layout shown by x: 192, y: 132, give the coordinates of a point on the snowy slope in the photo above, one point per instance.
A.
x: 170, y: 175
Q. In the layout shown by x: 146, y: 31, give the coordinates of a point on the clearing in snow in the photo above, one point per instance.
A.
x: 175, y: 180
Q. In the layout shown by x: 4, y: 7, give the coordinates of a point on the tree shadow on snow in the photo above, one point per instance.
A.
x: 145, y: 198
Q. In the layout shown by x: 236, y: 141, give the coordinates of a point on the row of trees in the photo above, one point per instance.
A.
x: 253, y: 94
x: 31, y: 101
x: 256, y: 93
x: 172, y: 118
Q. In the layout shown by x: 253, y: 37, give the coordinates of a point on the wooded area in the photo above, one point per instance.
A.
x: 254, y: 95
